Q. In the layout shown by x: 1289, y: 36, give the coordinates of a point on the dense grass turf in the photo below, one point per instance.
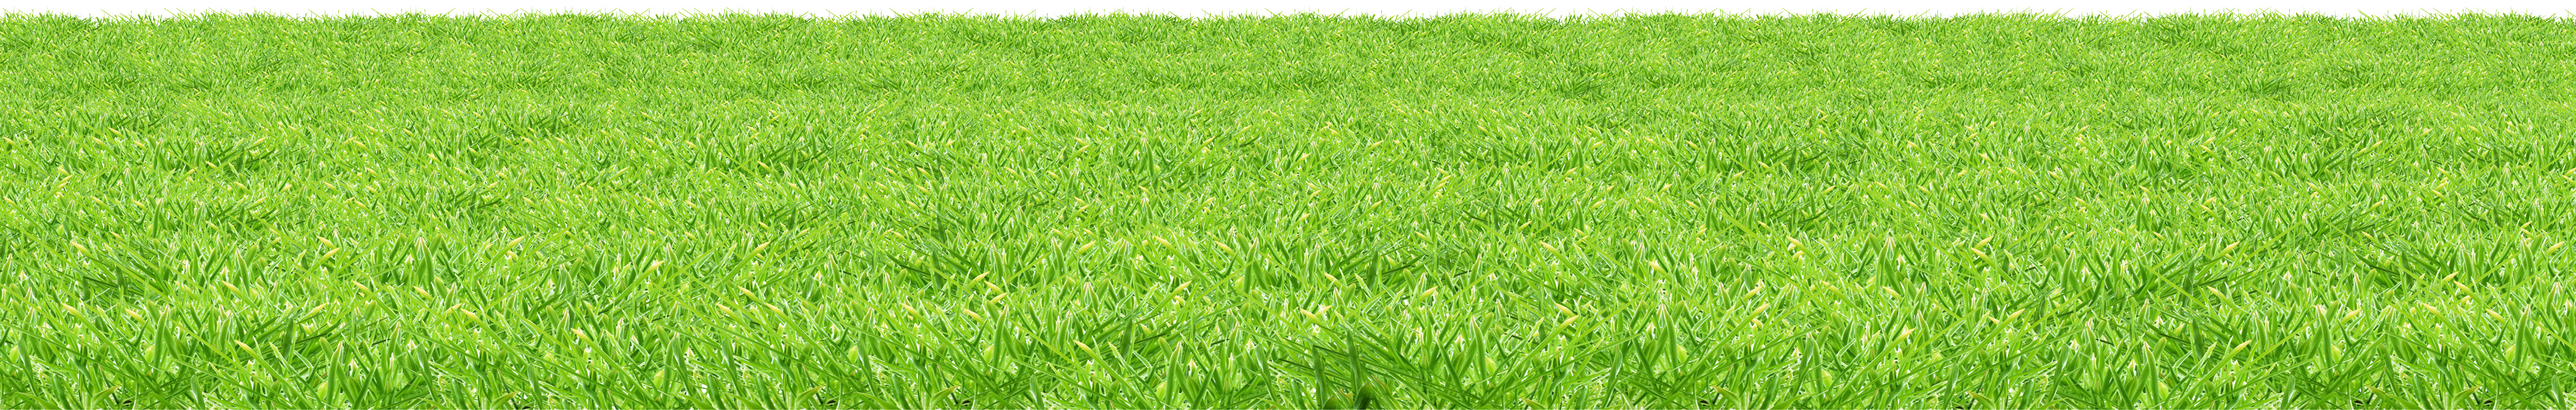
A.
x: 1295, y: 211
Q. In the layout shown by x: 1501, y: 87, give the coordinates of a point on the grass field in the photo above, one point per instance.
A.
x: 1300, y: 211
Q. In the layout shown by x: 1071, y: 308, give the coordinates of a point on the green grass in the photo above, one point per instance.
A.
x: 1471, y: 211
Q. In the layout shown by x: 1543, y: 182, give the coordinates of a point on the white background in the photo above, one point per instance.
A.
x: 2350, y: 8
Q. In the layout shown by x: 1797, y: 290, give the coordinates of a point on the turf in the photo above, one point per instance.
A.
x: 1300, y: 211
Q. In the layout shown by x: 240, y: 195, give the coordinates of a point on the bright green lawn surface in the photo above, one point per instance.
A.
x: 1297, y: 211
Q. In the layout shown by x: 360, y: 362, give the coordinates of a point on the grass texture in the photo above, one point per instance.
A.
x: 1300, y: 211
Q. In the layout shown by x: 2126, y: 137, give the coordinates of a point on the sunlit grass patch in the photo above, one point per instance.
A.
x: 1472, y: 211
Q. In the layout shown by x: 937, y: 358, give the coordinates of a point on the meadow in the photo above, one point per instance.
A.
x: 1287, y: 211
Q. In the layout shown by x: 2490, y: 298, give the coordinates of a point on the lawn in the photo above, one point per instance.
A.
x: 1298, y: 211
